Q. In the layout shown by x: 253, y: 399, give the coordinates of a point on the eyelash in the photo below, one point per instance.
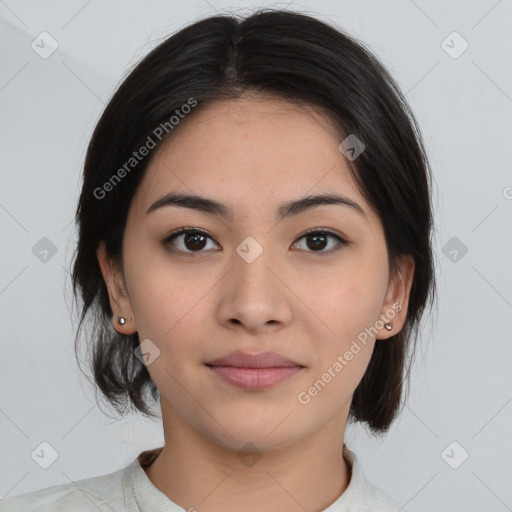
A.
x: 316, y: 231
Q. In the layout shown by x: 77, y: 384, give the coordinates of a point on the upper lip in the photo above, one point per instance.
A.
x: 253, y: 360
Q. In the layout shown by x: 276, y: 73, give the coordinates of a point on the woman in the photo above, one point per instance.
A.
x: 255, y: 225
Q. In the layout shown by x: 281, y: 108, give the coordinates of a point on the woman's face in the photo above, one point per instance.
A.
x: 250, y: 279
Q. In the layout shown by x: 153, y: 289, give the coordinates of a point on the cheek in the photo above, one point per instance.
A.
x: 349, y: 303
x: 348, y: 307
x: 163, y: 299
x: 168, y: 312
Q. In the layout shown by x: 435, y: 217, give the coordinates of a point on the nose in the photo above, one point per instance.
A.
x: 254, y: 295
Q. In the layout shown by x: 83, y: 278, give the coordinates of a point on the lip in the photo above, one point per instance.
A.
x: 253, y: 360
x: 254, y: 370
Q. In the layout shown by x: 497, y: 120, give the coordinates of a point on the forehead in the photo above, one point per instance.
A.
x: 248, y: 152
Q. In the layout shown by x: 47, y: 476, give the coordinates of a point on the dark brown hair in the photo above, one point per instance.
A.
x: 271, y: 52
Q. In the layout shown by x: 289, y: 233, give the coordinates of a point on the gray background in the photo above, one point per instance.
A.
x: 461, y: 387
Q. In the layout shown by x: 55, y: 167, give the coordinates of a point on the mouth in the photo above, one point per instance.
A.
x: 254, y: 370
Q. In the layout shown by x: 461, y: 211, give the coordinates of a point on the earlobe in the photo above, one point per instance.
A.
x: 394, y: 312
x: 118, y: 297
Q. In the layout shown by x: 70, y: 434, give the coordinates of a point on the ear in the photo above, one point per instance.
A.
x: 119, y: 300
x: 394, y: 309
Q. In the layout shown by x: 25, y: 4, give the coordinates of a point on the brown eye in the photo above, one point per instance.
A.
x: 188, y: 241
x: 317, y: 240
x: 194, y: 241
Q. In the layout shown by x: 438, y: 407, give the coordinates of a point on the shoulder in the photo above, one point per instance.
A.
x: 105, y: 493
x: 377, y: 499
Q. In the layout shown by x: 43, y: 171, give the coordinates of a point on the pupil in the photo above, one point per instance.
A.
x: 197, y: 241
x: 316, y: 245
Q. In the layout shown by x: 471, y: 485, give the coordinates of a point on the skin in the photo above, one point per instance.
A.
x: 253, y: 154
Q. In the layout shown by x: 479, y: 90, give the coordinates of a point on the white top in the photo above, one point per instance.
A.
x: 130, y: 489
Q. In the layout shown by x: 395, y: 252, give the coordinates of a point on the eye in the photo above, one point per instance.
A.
x: 189, y: 241
x: 317, y: 239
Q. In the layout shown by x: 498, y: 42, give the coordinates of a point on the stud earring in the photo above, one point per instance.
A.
x: 388, y: 326
x: 122, y: 320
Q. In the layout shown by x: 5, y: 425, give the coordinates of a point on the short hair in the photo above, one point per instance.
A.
x: 275, y: 53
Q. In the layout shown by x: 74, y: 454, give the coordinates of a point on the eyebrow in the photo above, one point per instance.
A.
x: 287, y: 209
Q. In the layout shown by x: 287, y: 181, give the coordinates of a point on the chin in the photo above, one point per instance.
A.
x: 266, y: 432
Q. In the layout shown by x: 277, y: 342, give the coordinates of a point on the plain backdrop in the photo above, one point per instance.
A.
x: 453, y: 61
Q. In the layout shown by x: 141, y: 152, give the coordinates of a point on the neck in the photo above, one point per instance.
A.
x: 198, y: 473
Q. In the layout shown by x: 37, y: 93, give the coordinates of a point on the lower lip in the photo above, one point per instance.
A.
x: 255, y: 378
